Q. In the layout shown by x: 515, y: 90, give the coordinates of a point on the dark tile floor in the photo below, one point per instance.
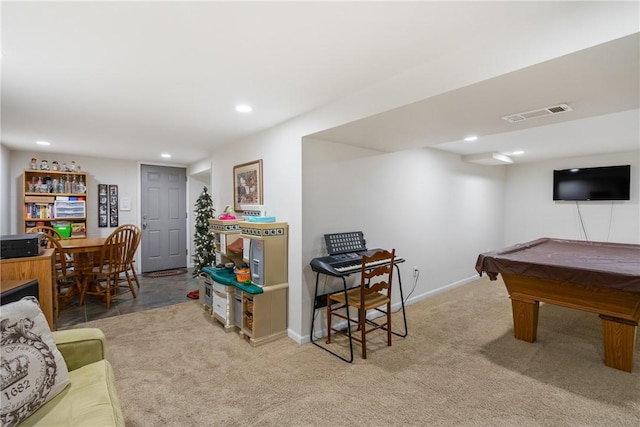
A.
x: 153, y: 293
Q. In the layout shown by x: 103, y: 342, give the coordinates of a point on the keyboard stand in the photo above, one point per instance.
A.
x: 344, y: 289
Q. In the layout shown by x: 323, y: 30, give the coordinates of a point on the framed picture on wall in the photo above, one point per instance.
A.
x: 103, y: 206
x: 247, y: 184
x: 113, y: 206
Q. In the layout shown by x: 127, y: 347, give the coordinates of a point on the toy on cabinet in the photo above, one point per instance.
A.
x: 227, y: 214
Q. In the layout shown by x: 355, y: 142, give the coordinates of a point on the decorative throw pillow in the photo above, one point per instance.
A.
x: 32, y: 370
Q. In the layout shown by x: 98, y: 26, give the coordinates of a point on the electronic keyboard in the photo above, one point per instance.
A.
x: 347, y: 263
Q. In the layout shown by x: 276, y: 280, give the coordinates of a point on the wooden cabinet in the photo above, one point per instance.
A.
x: 40, y: 268
x: 264, y: 315
x: 55, y: 198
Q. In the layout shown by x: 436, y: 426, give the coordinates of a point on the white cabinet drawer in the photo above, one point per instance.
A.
x: 220, y: 288
x: 220, y: 305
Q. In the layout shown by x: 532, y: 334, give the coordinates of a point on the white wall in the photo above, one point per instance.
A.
x: 436, y: 211
x: 280, y: 151
x: 5, y: 190
x: 531, y: 213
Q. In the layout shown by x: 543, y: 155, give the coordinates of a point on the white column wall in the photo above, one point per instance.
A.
x: 5, y: 190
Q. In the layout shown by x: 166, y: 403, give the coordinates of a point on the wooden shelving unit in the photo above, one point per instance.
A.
x: 55, y: 198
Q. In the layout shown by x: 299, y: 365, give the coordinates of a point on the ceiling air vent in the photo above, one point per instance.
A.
x: 542, y: 112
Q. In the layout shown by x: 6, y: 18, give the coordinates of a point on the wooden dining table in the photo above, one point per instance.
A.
x: 84, y: 251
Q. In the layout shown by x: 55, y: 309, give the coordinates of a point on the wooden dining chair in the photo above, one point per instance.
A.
x: 67, y: 280
x: 49, y: 233
x: 110, y: 272
x: 131, y: 256
x: 373, y: 293
x: 64, y: 275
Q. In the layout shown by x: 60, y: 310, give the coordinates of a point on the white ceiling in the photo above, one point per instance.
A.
x: 133, y: 79
x: 601, y: 85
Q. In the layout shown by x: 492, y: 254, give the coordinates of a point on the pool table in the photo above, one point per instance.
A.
x: 597, y: 277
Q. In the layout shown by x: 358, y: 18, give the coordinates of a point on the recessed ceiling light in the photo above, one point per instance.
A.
x: 513, y: 153
x: 487, y: 158
x: 471, y: 138
x: 243, y: 108
x: 43, y: 143
x: 166, y: 155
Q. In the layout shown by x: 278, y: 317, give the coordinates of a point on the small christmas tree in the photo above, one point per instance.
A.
x: 204, y: 255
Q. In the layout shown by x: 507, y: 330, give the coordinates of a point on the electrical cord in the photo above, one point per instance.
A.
x: 415, y: 283
x: 584, y: 229
x: 413, y: 288
x: 610, y: 221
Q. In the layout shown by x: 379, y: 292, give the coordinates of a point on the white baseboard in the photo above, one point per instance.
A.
x: 301, y: 339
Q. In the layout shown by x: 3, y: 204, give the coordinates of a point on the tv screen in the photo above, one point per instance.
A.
x: 602, y: 183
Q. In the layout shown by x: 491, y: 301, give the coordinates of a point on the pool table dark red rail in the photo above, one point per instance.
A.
x: 602, y: 278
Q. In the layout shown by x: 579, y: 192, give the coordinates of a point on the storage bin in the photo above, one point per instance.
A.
x: 64, y: 230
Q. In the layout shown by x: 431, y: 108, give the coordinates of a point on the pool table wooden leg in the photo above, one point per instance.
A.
x: 619, y: 338
x: 525, y: 318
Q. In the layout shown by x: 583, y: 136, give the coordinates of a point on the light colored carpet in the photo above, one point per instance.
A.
x: 459, y: 366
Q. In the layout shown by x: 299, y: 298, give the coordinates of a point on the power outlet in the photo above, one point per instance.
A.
x: 415, y: 271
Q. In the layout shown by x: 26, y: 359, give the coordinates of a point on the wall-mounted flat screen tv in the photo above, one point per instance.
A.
x: 601, y: 183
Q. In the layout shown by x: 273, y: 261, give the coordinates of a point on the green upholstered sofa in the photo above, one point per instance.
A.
x: 90, y: 399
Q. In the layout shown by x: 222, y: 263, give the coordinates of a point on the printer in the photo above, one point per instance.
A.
x: 20, y: 245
